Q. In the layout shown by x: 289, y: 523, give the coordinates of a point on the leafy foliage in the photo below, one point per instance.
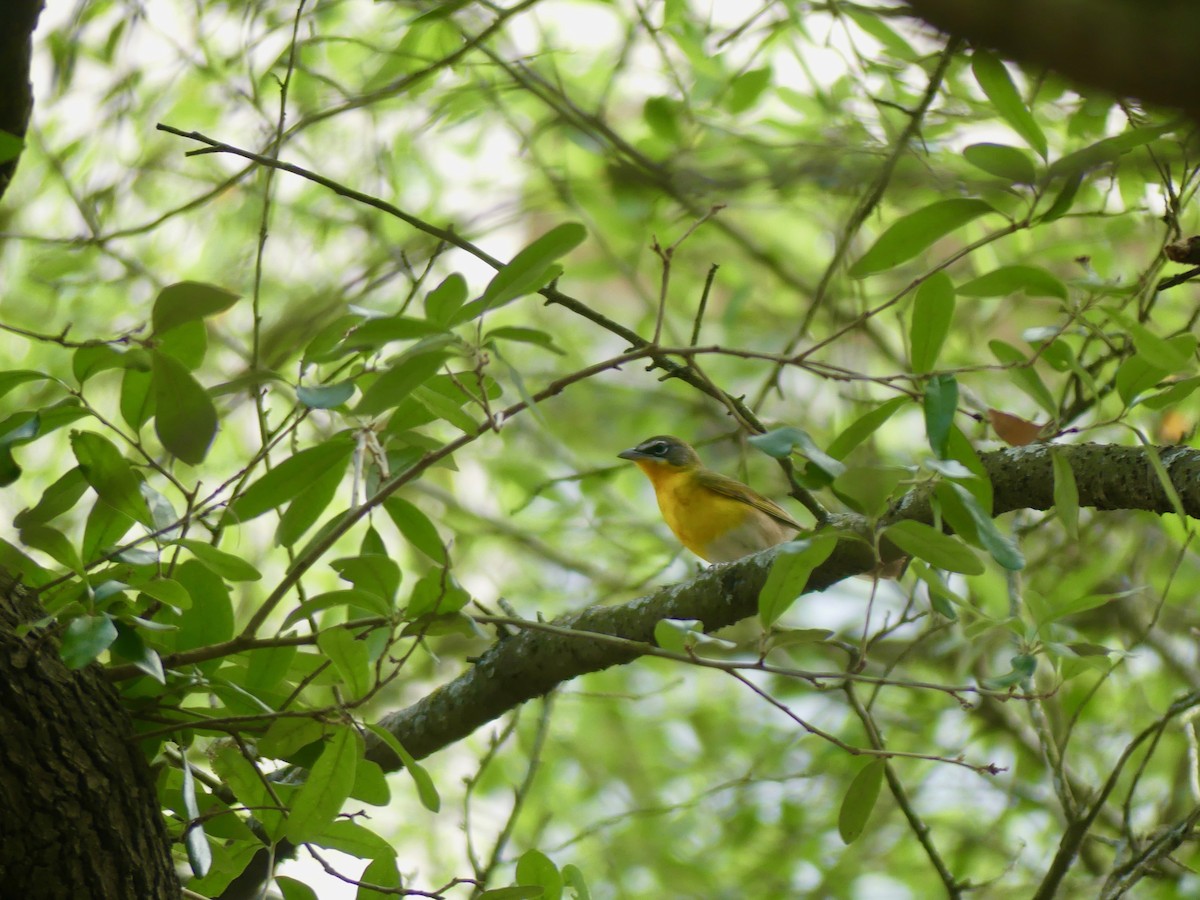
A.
x: 326, y: 445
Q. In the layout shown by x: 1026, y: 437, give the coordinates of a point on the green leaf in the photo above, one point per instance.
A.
x: 1176, y: 393
x: 417, y: 528
x: 1136, y: 375
x: 56, y: 499
x: 528, y: 270
x: 54, y: 544
x: 436, y: 592
x: 876, y: 27
x: 187, y: 301
x: 1050, y: 609
x: 535, y: 868
x: 364, y: 600
x: 10, y: 469
x: 162, y: 511
x: 371, y: 572
x: 445, y: 300
x: 941, y: 598
x: 1023, y: 667
x: 292, y: 477
x: 10, y: 380
x: 513, y: 892
x: 129, y: 645
x: 1023, y: 375
x: 789, y: 574
x: 1167, y: 354
x: 419, y: 409
x: 939, y: 550
x: 443, y: 407
x: 168, y: 591
x: 291, y: 889
x: 911, y: 234
x: 326, y: 344
x: 209, y: 619
x: 573, y: 878
x: 997, y: 84
x: 863, y: 427
x: 662, y: 115
x: 1002, y: 548
x: 186, y: 343
x: 370, y: 785
x: 247, y: 383
x: 1066, y: 493
x: 352, y: 838
x: 932, y: 313
x: 325, y: 396
x: 523, y: 336
x: 321, y: 796
x: 941, y: 403
x: 425, y: 787
x: 137, y: 398
x: 285, y: 737
x: 790, y: 637
x: 185, y: 419
x: 267, y: 668
x: 374, y: 334
x: 782, y: 441
x: 1063, y: 200
x: 104, y: 529
x: 393, y: 386
x: 746, y: 88
x: 18, y: 429
x: 859, y: 800
x: 308, y: 507
x: 110, y: 475
x: 1164, y: 478
x: 1034, y: 281
x: 91, y: 359
x: 239, y: 775
x: 867, y: 489
x: 228, y: 566
x: 198, y: 851
x: 350, y: 657
x: 685, y: 635
x: 85, y: 638
x: 1003, y: 161
x: 1106, y: 150
x: 431, y: 624
x: 383, y: 871
x: 22, y: 565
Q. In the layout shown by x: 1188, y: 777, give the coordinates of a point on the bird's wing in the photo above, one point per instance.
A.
x: 730, y: 487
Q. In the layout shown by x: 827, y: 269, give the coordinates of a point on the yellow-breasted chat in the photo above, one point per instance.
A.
x: 716, y: 517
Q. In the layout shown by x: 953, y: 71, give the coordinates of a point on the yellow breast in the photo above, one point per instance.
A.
x: 715, y: 527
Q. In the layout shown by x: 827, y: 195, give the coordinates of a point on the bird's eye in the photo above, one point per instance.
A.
x: 658, y: 448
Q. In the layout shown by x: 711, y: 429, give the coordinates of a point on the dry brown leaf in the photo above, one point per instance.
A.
x: 1013, y: 430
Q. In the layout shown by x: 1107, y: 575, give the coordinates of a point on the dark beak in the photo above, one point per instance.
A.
x: 631, y: 453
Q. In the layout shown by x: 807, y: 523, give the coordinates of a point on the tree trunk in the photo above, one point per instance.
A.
x: 79, y: 816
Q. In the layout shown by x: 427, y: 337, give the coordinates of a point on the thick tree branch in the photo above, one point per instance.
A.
x: 18, y: 19
x: 529, y: 664
x: 1126, y: 47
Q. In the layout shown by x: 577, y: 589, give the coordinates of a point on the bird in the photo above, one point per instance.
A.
x: 716, y: 517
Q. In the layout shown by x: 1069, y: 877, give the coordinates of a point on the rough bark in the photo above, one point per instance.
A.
x: 79, y: 816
